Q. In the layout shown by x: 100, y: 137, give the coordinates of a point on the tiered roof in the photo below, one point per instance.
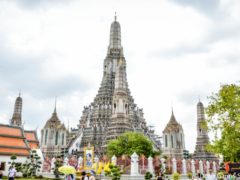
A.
x: 173, y: 125
x: 32, y: 139
x: 54, y: 122
x: 15, y: 141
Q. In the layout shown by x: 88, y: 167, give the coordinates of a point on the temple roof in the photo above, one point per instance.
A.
x: 54, y: 122
x: 13, y: 141
x: 173, y: 125
x: 32, y: 139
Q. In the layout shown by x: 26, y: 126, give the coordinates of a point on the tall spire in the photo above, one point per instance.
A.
x: 115, y: 35
x: 202, y: 136
x: 200, y: 111
x: 17, y: 114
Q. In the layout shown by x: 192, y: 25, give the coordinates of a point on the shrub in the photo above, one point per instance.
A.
x: 114, y: 172
x: 189, y: 175
x: 220, y: 175
x: 148, y: 176
x: 176, y: 176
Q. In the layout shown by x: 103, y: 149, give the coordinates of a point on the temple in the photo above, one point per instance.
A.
x: 113, y: 110
x: 54, y: 137
x: 15, y: 140
x: 173, y: 139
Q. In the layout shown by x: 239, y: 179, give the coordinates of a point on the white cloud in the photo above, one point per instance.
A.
x: 174, y: 55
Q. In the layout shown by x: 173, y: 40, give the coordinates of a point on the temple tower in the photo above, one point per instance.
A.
x: 119, y: 122
x: 173, y: 137
x: 17, y: 114
x: 113, y: 110
x: 202, y: 136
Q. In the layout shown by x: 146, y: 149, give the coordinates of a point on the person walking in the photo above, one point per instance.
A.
x: 199, y: 175
x: 1, y: 175
x: 211, y: 175
x: 84, y: 176
x: 159, y: 176
x: 91, y: 177
x: 70, y: 177
x: 11, y: 173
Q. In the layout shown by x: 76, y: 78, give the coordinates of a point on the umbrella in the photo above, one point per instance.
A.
x: 67, y: 170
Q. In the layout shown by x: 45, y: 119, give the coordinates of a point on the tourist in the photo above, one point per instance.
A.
x: 92, y: 173
x: 1, y: 175
x: 230, y: 176
x: 69, y: 177
x: 211, y: 175
x: 199, y: 175
x: 159, y: 176
x: 11, y: 173
x: 84, y: 176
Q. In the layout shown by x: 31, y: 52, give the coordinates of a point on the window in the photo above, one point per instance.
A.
x: 62, y: 138
x: 56, y: 138
x: 172, y: 140
x: 46, y: 134
x: 166, y: 141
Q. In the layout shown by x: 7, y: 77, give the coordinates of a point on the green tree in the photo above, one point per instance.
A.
x: 114, y: 172
x: 32, y: 165
x: 13, y: 158
x: 128, y: 143
x: 17, y: 165
x: 148, y: 176
x: 58, y: 163
x: 223, y: 114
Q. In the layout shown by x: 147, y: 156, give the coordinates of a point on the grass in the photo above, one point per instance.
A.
x: 16, y: 178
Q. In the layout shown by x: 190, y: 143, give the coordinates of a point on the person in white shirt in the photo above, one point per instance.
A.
x: 211, y: 176
x: 11, y: 173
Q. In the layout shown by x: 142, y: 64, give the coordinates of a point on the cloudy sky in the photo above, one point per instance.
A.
x: 176, y: 52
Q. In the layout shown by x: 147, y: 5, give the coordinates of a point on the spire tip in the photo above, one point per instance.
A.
x: 55, y: 111
x: 115, y: 17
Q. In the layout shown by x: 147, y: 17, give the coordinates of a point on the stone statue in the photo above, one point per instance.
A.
x: 174, y: 165
x: 80, y: 163
x: 53, y: 165
x: 65, y: 162
x: 134, y: 164
x: 150, y: 164
x: 114, y: 160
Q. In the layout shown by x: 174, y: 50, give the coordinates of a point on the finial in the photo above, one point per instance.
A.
x: 19, y: 94
x: 172, y: 106
x: 55, y: 111
x: 172, y: 112
x: 115, y: 17
x: 199, y: 99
